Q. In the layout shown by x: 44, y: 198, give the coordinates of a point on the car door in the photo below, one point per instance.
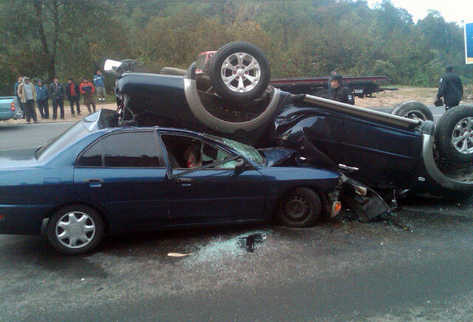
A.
x: 212, y: 194
x: 125, y: 174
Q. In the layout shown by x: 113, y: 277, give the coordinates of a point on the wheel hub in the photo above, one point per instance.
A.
x: 297, y: 207
x: 462, y: 136
x: 241, y: 72
x: 75, y: 230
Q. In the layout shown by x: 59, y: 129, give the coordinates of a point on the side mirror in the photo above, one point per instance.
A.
x: 240, y: 166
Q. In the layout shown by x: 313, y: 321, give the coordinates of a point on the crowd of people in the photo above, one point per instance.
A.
x: 31, y: 94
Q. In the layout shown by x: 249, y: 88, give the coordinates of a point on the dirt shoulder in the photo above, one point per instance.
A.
x: 403, y: 94
x: 382, y: 99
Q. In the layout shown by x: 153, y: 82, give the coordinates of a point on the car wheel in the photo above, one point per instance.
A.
x: 75, y: 229
x: 239, y: 72
x: 414, y: 110
x: 301, y: 207
x: 454, y: 135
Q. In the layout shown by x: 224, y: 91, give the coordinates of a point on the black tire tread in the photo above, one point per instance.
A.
x: 403, y: 108
x: 444, y: 132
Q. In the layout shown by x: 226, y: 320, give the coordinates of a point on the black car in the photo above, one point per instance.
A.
x: 230, y: 96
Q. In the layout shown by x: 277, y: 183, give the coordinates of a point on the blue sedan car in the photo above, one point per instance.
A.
x: 98, y: 179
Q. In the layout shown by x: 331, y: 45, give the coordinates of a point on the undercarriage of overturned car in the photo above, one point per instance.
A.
x: 375, y: 153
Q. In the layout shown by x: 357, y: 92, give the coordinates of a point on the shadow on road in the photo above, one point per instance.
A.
x: 20, y: 251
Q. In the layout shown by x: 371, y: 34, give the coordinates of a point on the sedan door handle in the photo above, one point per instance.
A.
x: 95, y: 183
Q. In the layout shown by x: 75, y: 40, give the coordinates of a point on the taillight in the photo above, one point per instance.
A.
x: 12, y: 106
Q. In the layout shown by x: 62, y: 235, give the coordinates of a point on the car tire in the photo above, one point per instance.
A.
x: 232, y: 61
x: 85, y: 234
x: 455, y: 124
x: 301, y: 207
x: 413, y: 110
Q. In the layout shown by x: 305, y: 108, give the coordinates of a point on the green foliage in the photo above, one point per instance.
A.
x: 41, y: 38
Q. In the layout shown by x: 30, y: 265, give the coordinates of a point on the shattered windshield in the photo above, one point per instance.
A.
x: 246, y: 151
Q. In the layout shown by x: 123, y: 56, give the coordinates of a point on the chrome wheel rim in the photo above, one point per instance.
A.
x: 241, y: 72
x: 297, y: 208
x: 462, y: 136
x: 416, y: 115
x: 75, y: 229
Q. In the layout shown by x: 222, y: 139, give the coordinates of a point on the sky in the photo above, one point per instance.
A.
x: 451, y: 10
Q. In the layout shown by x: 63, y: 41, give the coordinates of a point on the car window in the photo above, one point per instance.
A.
x: 244, y: 150
x: 92, y: 157
x: 71, y: 135
x: 129, y: 149
x: 186, y: 152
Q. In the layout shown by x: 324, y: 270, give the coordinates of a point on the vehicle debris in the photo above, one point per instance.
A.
x: 178, y: 254
x: 249, y: 242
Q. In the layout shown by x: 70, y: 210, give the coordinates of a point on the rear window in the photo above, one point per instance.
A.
x: 124, y: 150
x: 71, y: 135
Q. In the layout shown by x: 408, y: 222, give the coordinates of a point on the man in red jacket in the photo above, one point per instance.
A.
x: 87, y: 90
x: 72, y: 93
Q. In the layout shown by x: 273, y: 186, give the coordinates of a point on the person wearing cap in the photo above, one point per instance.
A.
x: 450, y: 88
x: 27, y: 95
x: 57, y: 93
x: 99, y: 84
x: 87, y: 90
x: 42, y: 97
x: 73, y: 95
x: 338, y: 92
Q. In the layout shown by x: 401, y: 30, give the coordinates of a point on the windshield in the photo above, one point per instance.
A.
x: 246, y: 151
x: 76, y: 131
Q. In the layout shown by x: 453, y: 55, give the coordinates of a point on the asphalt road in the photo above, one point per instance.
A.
x: 341, y: 270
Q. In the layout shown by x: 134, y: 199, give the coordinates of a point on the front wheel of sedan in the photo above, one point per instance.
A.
x: 301, y: 207
x: 75, y: 229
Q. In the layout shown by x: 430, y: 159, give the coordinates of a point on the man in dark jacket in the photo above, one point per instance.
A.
x: 73, y: 95
x: 42, y: 97
x: 451, y: 88
x: 56, y: 93
x: 339, y: 93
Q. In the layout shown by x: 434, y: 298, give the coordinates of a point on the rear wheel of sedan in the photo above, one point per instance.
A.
x: 75, y: 229
x: 301, y: 207
x: 239, y: 72
x: 454, y: 135
x: 414, y: 110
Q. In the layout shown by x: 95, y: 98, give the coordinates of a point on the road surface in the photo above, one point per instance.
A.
x: 337, y: 271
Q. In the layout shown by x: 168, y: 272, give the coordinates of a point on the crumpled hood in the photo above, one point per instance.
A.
x: 277, y: 156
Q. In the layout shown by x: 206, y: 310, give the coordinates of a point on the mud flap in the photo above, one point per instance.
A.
x: 364, y: 201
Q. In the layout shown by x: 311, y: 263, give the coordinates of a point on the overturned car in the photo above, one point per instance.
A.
x: 229, y: 95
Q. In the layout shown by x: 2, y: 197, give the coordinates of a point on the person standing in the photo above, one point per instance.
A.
x: 56, y: 93
x: 450, y: 88
x: 338, y: 92
x: 42, y: 97
x: 99, y: 86
x: 27, y: 94
x: 73, y: 95
x: 15, y: 89
x: 87, y: 90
